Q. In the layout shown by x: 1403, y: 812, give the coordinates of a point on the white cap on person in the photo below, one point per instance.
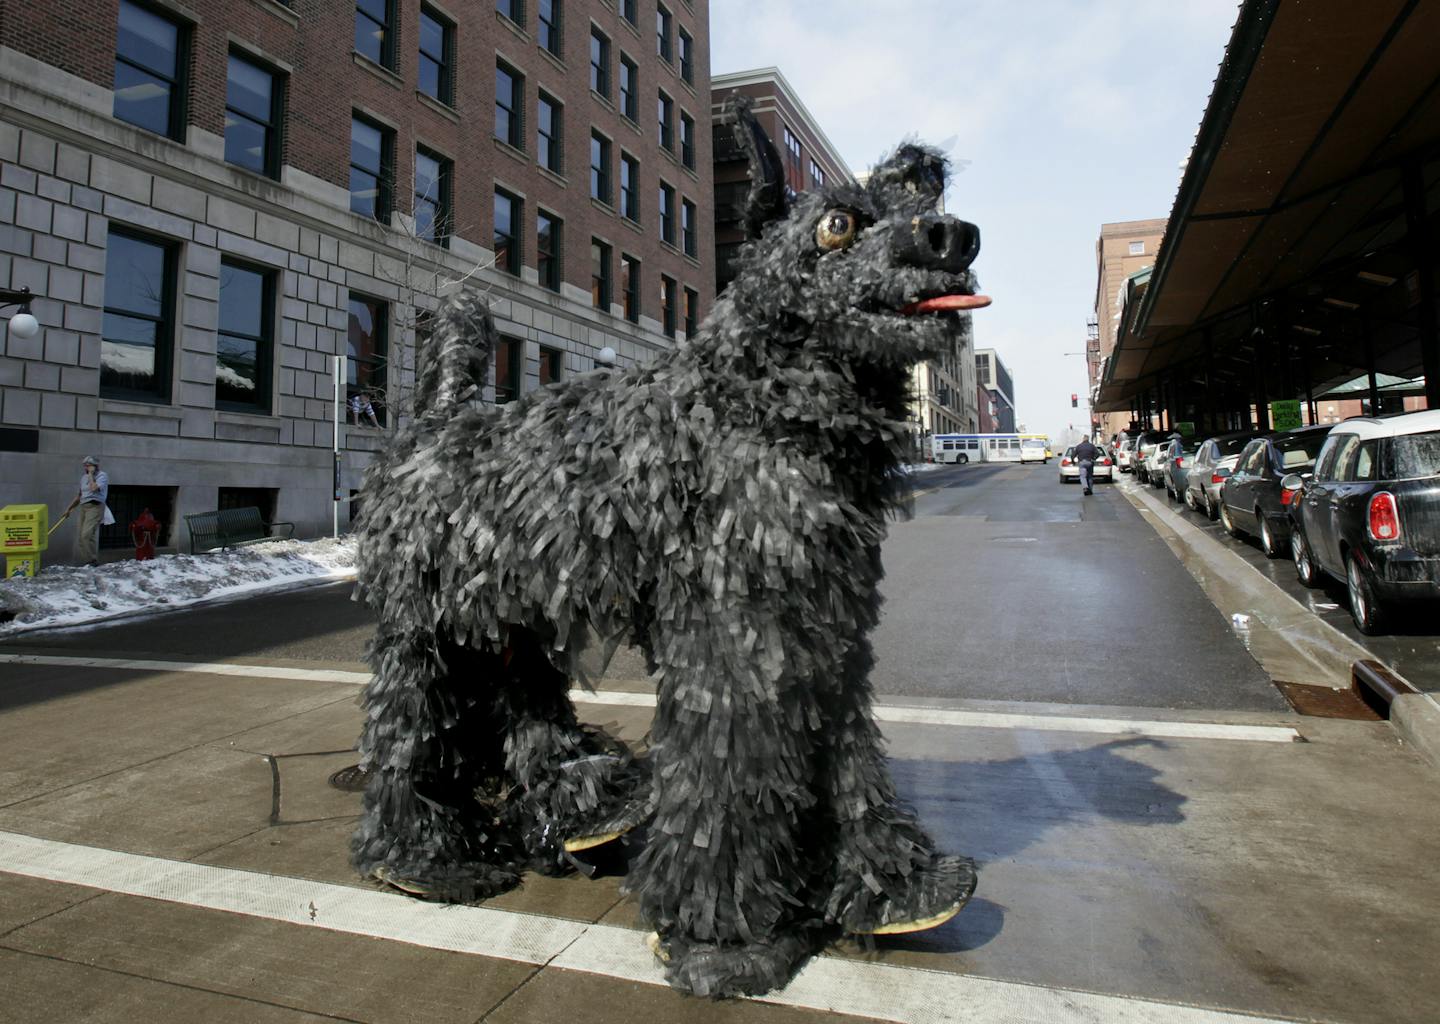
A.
x: 89, y: 460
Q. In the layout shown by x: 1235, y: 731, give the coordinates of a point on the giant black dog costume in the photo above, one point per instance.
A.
x: 723, y: 507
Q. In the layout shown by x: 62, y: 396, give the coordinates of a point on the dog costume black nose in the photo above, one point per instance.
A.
x: 937, y: 242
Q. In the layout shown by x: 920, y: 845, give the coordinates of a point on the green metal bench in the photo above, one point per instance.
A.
x: 231, y: 528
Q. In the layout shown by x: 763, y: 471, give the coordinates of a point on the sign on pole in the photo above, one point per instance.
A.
x: 1285, y: 414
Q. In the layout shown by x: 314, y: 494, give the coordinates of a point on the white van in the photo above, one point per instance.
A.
x: 1034, y: 449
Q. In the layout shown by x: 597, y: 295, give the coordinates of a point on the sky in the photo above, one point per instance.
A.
x: 1062, y: 115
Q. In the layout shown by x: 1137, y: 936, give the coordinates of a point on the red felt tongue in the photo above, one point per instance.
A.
x: 940, y: 303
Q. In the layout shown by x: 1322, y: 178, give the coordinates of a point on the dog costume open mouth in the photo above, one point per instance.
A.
x: 952, y: 303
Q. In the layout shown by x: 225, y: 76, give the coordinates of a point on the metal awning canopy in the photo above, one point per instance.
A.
x: 1297, y: 231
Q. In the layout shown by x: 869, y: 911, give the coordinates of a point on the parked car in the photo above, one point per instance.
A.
x: 1213, y: 463
x: 1155, y: 461
x: 1033, y: 449
x: 1370, y: 515
x: 1251, y: 498
x: 1145, y: 446
x: 1179, y: 454
x: 1104, y: 468
x: 1125, y: 453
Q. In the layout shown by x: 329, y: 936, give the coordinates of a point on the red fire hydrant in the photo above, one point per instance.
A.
x: 144, y: 531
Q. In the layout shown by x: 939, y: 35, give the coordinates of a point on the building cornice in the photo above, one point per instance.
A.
x: 773, y: 76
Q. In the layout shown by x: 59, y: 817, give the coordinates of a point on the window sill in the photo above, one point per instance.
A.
x: 439, y: 106
x: 631, y: 123
x: 554, y: 176
x: 633, y: 225
x: 692, y: 260
x: 603, y: 100
x: 602, y: 206
x: 520, y: 32
x: 280, y: 11
x: 224, y: 414
x: 630, y: 25
x: 510, y: 151
x: 381, y: 72
x: 553, y: 58
x: 133, y: 406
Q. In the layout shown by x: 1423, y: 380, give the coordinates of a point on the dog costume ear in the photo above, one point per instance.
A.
x: 766, y: 201
x: 918, y: 169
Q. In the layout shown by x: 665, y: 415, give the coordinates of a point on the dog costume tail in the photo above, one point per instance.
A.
x: 453, y: 362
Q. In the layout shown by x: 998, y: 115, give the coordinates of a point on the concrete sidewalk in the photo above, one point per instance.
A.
x: 170, y: 850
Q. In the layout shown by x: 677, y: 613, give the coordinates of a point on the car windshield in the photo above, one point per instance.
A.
x: 1414, y: 455
x: 1298, y: 453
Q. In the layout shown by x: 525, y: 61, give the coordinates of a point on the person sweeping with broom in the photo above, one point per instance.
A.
x: 94, y: 489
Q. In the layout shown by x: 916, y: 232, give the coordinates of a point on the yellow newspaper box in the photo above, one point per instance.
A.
x: 24, y: 533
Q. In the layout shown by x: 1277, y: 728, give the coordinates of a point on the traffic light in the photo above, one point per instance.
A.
x: 1074, y: 401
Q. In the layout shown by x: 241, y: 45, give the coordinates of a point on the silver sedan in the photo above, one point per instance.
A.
x: 1070, y: 469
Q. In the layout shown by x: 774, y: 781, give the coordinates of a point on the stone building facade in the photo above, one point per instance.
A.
x: 212, y: 200
x: 1123, y: 248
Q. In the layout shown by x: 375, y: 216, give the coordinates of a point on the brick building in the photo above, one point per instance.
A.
x: 1123, y: 249
x: 213, y: 199
x: 994, y: 379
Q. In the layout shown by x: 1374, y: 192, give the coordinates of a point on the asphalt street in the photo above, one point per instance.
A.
x: 1160, y: 838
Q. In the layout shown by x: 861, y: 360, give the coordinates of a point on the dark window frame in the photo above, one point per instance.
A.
x: 509, y: 359
x: 179, y: 83
x: 599, y: 64
x: 274, y: 129
x: 550, y: 148
x: 377, y: 364
x: 669, y: 296
x: 686, y: 44
x: 443, y: 205
x: 514, y: 113
x: 549, y: 264
x: 387, y: 40
x: 514, y: 252
x: 667, y: 212
x: 264, y: 341
x: 630, y: 11
x: 689, y: 228
x: 629, y: 89
x: 664, y: 22
x: 665, y: 118
x: 552, y: 28
x: 630, y: 275
x: 602, y: 284
x: 166, y: 321
x: 514, y: 11
x: 629, y: 194
x: 552, y: 365
x: 692, y: 312
x: 600, y: 178
x: 384, y: 175
x: 445, y: 62
x: 687, y: 140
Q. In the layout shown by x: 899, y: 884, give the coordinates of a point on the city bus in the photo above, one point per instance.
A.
x: 963, y: 448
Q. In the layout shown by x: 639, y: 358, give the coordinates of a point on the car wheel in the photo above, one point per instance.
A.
x: 962, y: 459
x: 1211, y: 512
x: 1304, y: 563
x: 1364, y: 609
x: 1227, y: 522
x: 1268, y: 544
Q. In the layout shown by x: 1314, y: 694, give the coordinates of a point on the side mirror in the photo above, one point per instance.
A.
x: 1292, y: 482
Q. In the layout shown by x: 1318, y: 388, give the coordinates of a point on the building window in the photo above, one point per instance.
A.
x: 139, y: 322
x: 687, y: 57
x: 509, y: 102
x: 629, y: 187
x: 509, y: 369
x: 599, y: 62
x: 507, y: 243
x: 662, y: 32
x: 630, y: 11
x: 692, y: 312
x: 371, y: 158
x: 794, y: 179
x: 433, y: 176
x: 149, y: 60
x: 600, y: 274
x: 599, y: 167
x: 547, y: 249
x: 667, y: 213
x: 512, y: 9
x: 630, y: 287
x: 817, y: 176
x: 551, y: 361
x: 667, y: 305
x: 549, y: 149
x: 244, y: 344
x: 629, y: 88
x: 437, y: 57
x: 688, y: 226
x: 1137, y: 248
x: 366, y: 346
x: 550, y: 26
x: 252, y: 117
x: 375, y: 31
x: 666, y: 115
x: 687, y: 140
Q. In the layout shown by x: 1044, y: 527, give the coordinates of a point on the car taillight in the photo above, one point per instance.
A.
x: 1216, y: 478
x: 1104, y: 462
x: 1179, y: 462
x: 1064, y: 462
x: 1287, y: 495
x: 1384, y: 517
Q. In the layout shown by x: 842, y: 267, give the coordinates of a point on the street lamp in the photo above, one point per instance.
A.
x: 605, y: 357
x: 23, y: 324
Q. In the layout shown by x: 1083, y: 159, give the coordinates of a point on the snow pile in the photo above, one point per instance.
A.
x: 65, y: 595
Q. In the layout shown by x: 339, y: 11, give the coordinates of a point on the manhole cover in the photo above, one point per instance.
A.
x: 1323, y: 702
x: 350, y: 780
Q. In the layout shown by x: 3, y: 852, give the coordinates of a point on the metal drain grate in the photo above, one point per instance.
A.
x: 1324, y: 702
x: 350, y: 780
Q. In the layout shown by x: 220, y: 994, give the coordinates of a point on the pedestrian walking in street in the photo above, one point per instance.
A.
x: 94, y: 490
x: 1085, y: 456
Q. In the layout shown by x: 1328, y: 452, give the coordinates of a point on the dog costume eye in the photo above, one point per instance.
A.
x: 835, y: 230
